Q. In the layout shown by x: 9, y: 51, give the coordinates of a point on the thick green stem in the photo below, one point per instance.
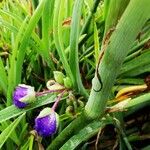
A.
x: 115, y: 53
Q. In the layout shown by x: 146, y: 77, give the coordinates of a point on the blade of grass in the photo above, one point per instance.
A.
x: 7, y: 132
x: 46, y: 18
x: 137, y: 62
x: 74, y: 39
x: 12, y: 111
x: 3, y: 77
x: 87, y: 132
x: 136, y: 81
x: 139, y: 45
x: 25, y: 39
x: 7, y: 25
x: 58, y: 45
x: 96, y: 42
x: 88, y: 20
x: 137, y: 71
x: 31, y: 142
x: 12, y: 70
x: 138, y: 100
x: 106, y: 8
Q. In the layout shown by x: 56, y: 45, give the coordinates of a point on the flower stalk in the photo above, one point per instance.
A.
x: 49, y: 91
x: 58, y: 99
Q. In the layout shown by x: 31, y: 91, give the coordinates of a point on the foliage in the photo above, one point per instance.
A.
x: 102, y: 47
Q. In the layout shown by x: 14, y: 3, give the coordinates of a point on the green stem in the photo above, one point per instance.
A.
x: 115, y: 53
x: 74, y: 37
x: 87, y: 23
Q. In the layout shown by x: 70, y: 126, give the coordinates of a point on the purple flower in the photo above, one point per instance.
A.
x: 23, y: 95
x: 46, y: 123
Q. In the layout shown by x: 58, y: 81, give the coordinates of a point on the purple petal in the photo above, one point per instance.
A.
x: 19, y: 93
x: 19, y: 104
x: 46, y: 126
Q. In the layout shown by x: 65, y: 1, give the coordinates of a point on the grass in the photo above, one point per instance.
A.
x: 39, y: 37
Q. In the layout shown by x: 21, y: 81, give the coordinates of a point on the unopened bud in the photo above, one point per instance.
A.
x: 67, y: 82
x: 46, y: 123
x: 59, y: 76
x: 23, y: 95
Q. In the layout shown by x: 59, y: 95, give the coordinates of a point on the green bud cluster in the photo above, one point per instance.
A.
x: 62, y: 79
x: 74, y: 105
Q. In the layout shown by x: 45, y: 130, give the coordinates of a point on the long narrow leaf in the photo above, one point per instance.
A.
x: 3, y: 77
x: 12, y: 111
x: 46, y: 18
x: 74, y: 38
x: 87, y: 132
x: 25, y: 39
x: 7, y: 132
x: 56, y: 33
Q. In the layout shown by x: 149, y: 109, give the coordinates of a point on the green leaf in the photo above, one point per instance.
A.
x: 88, y: 20
x: 146, y: 148
x: 138, y: 100
x: 56, y: 33
x: 12, y: 111
x: 12, y: 70
x: 74, y: 39
x: 7, y: 132
x: 25, y: 39
x: 46, y: 18
x: 7, y: 25
x: 96, y: 42
x: 3, y: 77
x: 137, y: 65
x: 87, y: 132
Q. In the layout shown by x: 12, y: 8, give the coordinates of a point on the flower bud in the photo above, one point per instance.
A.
x: 46, y: 123
x: 58, y: 76
x: 52, y: 85
x: 70, y: 99
x: 81, y: 104
x: 69, y: 110
x: 67, y: 82
x: 69, y: 102
x: 23, y: 95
